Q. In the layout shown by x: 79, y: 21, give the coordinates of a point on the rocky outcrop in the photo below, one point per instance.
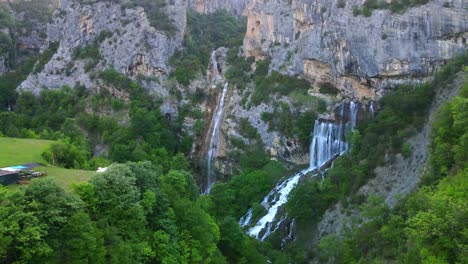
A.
x: 23, y: 33
x: 276, y: 144
x: 134, y: 47
x: 360, y: 55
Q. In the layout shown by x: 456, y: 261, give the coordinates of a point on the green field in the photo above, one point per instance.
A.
x: 66, y: 177
x: 16, y: 151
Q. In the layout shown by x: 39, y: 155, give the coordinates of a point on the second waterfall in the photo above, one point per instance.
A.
x: 213, y: 147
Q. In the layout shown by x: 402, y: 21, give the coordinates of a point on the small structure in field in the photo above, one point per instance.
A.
x: 8, y: 177
x: 19, y: 174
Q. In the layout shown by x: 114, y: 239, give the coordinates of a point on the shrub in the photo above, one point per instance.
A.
x: 406, y: 150
x: 367, y: 12
x: 341, y: 3
x: 46, y: 56
x: 155, y: 11
x: 248, y: 130
x: 356, y: 11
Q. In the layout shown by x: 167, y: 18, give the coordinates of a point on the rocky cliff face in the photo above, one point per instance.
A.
x: 23, y: 30
x: 209, y: 6
x: 133, y: 48
x: 360, y: 55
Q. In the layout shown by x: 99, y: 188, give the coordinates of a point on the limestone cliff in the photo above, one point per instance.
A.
x: 23, y: 29
x: 360, y: 55
x: 133, y: 47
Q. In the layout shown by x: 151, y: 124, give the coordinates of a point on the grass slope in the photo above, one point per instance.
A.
x: 16, y: 151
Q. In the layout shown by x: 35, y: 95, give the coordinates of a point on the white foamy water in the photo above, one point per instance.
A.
x: 328, y: 142
x: 214, y: 140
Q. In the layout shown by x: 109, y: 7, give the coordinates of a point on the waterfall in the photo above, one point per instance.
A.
x: 353, y: 110
x: 372, y: 109
x: 278, y: 196
x: 328, y: 142
x: 245, y: 220
x: 214, y: 140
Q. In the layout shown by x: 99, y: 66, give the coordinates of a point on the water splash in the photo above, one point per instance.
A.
x: 214, y: 140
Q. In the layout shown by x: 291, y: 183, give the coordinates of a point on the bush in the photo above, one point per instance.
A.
x: 46, y: 56
x: 367, y: 12
x: 276, y: 83
x: 397, y: 6
x: 89, y: 52
x: 356, y: 11
x: 341, y: 3
x: 66, y: 155
x: 248, y: 130
x: 406, y: 150
x: 155, y: 11
x: 327, y: 88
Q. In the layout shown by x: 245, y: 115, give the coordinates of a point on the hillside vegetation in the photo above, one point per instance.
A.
x: 429, y: 226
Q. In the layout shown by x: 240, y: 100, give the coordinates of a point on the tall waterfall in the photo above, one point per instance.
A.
x: 372, y: 109
x: 214, y: 140
x: 353, y: 110
x: 328, y: 141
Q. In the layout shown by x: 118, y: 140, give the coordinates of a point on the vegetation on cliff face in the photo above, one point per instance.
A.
x: 205, y: 33
x: 398, y: 6
x: 156, y: 13
x: 395, y: 235
x: 61, y: 114
x: 430, y: 225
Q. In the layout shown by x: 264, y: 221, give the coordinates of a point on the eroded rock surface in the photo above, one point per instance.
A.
x: 322, y: 42
x: 133, y: 47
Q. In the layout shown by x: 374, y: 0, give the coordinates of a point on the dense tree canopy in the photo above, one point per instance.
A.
x: 132, y: 213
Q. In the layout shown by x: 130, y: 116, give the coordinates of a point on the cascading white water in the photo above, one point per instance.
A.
x: 328, y: 142
x: 245, y: 220
x: 279, y: 196
x: 372, y: 109
x: 353, y: 110
x: 214, y: 140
